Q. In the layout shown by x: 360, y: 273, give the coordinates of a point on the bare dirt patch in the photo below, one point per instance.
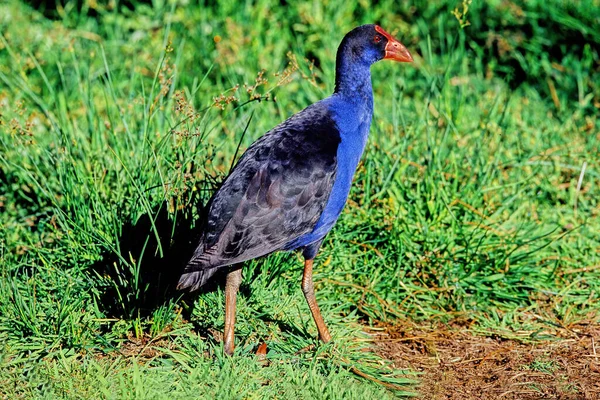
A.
x: 145, y: 347
x: 457, y: 363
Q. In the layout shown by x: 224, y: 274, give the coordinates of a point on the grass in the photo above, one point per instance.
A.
x: 477, y: 198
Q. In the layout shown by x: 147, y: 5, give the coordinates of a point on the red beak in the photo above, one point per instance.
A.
x: 394, y: 50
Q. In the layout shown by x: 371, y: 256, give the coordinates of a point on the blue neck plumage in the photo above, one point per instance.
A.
x: 353, y: 81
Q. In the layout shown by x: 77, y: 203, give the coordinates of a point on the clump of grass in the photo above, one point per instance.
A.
x: 544, y: 366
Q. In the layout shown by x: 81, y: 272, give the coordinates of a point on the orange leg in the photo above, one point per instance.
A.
x: 309, y: 293
x: 232, y: 285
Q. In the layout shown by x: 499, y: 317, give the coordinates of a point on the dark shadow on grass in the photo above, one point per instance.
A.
x: 126, y: 293
x: 138, y: 279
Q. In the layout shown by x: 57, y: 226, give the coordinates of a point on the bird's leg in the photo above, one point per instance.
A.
x: 232, y: 284
x: 309, y: 293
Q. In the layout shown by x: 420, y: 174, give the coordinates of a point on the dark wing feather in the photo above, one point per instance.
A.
x: 275, y: 194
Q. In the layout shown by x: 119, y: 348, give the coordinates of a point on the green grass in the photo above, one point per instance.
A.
x: 477, y: 197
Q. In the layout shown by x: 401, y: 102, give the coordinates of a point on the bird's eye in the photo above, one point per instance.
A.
x: 377, y: 39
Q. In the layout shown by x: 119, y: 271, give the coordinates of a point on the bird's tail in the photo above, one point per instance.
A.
x: 197, y: 271
x: 192, y: 281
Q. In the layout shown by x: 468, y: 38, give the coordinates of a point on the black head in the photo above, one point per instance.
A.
x: 370, y: 43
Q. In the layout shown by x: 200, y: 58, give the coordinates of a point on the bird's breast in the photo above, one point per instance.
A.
x: 354, y: 128
x: 353, y: 121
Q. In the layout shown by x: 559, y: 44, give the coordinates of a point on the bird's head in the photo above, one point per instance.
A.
x: 370, y: 43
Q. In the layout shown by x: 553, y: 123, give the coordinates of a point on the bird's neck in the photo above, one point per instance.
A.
x: 353, y: 80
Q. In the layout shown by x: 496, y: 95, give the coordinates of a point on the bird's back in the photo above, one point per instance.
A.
x: 274, y: 195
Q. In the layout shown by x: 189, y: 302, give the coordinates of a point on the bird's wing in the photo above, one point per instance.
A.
x: 275, y: 194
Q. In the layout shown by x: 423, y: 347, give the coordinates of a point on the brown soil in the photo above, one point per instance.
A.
x: 456, y: 363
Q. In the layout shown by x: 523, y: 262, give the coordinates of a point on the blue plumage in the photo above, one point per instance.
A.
x: 353, y: 120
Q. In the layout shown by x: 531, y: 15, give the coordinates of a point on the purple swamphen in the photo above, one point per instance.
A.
x: 290, y: 186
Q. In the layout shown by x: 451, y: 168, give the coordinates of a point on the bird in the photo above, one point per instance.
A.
x: 289, y: 187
